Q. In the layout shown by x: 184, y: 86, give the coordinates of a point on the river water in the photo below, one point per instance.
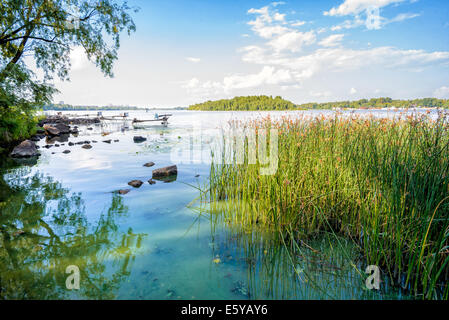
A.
x: 156, y: 242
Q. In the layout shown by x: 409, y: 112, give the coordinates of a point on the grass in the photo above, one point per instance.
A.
x: 381, y: 183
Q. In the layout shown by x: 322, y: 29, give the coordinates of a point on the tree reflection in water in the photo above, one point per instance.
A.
x: 44, y: 229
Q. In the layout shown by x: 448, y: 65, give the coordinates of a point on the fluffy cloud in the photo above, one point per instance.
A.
x: 272, y: 26
x: 355, y: 7
x: 332, y: 41
x: 344, y: 59
x: 267, y: 76
x: 442, y: 93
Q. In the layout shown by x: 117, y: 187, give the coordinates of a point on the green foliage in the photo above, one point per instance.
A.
x: 253, y: 103
x: 16, y: 125
x: 382, y: 183
x: 48, y: 30
x: 246, y: 103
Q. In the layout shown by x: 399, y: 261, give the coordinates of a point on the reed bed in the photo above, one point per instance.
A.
x: 383, y: 183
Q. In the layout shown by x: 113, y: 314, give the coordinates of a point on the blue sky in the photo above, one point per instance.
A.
x: 189, y: 51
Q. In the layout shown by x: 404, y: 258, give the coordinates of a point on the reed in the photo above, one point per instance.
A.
x: 383, y: 183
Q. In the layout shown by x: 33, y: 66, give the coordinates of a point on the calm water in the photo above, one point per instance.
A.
x: 154, y: 242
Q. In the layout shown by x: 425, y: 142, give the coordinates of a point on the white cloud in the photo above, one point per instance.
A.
x: 192, y: 59
x: 267, y: 76
x: 332, y: 41
x: 297, y: 23
x: 292, y: 41
x: 403, y: 16
x: 344, y: 59
x: 353, y: 91
x: 442, y: 93
x: 354, y: 7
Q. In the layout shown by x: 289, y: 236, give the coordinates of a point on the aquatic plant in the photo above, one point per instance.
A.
x: 382, y: 183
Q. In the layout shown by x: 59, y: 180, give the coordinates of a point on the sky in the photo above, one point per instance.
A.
x: 190, y: 51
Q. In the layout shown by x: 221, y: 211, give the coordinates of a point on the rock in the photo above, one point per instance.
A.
x: 48, y: 146
x: 65, y: 129
x: 149, y: 164
x: 94, y: 141
x: 197, y: 175
x: 66, y: 151
x: 56, y: 145
x: 135, y: 183
x: 165, y: 172
x: 138, y: 139
x: 123, y: 191
x: 25, y: 150
x: 40, y: 131
x: 90, y: 128
x: 107, y: 141
x: 63, y: 137
x: 74, y: 131
x: 37, y: 137
x: 50, y: 130
x: 79, y: 142
x: 87, y: 146
x: 151, y: 181
x: 71, y: 144
x: 116, y: 140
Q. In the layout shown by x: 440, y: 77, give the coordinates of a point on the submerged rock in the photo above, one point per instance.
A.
x: 138, y: 139
x: 149, y: 164
x: 87, y: 146
x: 71, y: 144
x: 66, y: 151
x: 135, y: 183
x: 123, y: 191
x: 165, y: 172
x: 25, y: 150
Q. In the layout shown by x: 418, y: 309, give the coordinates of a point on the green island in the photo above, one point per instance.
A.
x: 268, y: 103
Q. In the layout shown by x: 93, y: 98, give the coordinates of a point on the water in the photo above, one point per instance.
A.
x: 154, y: 242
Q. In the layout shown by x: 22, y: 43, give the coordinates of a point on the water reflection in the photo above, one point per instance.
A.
x: 44, y: 228
x: 278, y: 268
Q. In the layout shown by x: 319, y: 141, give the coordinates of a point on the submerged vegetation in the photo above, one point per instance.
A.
x: 254, y: 103
x: 381, y: 183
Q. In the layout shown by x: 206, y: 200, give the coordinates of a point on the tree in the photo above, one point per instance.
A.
x: 48, y: 30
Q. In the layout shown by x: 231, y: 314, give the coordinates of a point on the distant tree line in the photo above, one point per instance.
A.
x: 68, y: 107
x: 254, y: 103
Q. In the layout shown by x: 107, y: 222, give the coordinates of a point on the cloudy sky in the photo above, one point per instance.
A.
x: 310, y: 50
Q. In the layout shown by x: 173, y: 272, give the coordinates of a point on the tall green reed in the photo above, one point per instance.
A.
x: 383, y: 183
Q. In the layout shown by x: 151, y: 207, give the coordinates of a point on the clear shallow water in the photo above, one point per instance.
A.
x: 149, y: 243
